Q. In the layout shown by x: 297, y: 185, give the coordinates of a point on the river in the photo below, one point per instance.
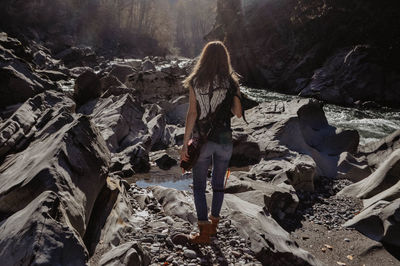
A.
x: 372, y: 124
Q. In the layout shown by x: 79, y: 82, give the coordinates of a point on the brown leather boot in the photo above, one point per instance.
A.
x: 214, y: 224
x: 204, y: 236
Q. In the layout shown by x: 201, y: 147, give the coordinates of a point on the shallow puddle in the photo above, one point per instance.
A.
x: 172, y: 178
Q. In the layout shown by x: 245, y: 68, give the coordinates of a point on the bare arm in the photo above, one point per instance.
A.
x: 237, y: 106
x: 190, y: 121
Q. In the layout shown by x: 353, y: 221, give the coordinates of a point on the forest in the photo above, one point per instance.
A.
x: 132, y: 26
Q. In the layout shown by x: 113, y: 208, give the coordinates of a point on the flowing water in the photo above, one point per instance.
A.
x: 371, y: 124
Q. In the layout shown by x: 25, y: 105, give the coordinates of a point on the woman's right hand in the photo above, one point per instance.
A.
x: 184, y: 153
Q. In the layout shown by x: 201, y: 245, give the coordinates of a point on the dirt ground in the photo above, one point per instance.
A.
x: 333, y: 247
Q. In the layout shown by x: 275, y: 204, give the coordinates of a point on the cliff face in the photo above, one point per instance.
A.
x: 343, y: 52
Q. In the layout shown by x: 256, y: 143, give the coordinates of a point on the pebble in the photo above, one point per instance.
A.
x: 235, y: 253
x: 155, y: 237
x: 347, y: 240
x: 188, y: 253
x: 323, y: 206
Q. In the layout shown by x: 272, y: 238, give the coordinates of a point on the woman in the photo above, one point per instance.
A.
x: 214, y: 94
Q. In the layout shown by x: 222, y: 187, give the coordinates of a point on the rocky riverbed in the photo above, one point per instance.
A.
x: 78, y: 133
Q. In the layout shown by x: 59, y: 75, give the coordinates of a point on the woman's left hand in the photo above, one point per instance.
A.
x: 184, y: 153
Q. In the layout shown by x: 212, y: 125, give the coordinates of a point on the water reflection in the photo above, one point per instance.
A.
x: 172, y: 178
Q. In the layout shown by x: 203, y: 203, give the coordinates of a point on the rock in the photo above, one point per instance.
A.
x: 129, y: 131
x: 191, y: 254
x: 164, y: 161
x: 136, y: 157
x: 119, y: 119
x: 157, y: 85
x: 77, y: 145
x: 278, y: 200
x: 63, y: 154
x: 156, y: 128
x: 118, y: 91
x: 121, y: 72
x: 384, y: 178
x: 52, y: 75
x: 40, y: 58
x: 270, y: 243
x: 377, y: 152
x: 87, y: 87
x: 130, y: 253
x: 338, y: 79
x: 380, y: 193
x: 14, y: 46
x: 176, y: 114
x: 147, y: 65
x: 111, y: 217
x: 37, y: 234
x: 77, y: 71
x: 142, y: 199
x: 18, y: 80
x: 300, y: 173
x: 352, y: 168
x: 379, y: 221
x: 175, y: 203
x: 77, y: 56
x: 22, y: 125
x: 110, y: 81
x: 173, y: 135
x: 295, y: 141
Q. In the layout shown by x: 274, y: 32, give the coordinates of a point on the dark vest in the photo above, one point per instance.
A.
x: 217, y: 126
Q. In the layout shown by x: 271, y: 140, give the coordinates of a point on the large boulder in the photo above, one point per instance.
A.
x: 38, y: 234
x: 279, y: 199
x: 380, y: 192
x: 16, y: 131
x: 177, y: 110
x: 18, y: 80
x: 271, y: 244
x: 353, y: 168
x: 129, y: 130
x: 380, y: 222
x: 290, y: 141
x: 130, y: 253
x: 46, y: 148
x: 113, y: 218
x: 338, y: 80
x: 175, y: 202
x: 77, y: 56
x: 87, y: 87
x: 378, y: 151
x: 119, y: 119
x: 14, y: 46
x: 121, y: 72
x: 163, y: 82
x: 384, y: 178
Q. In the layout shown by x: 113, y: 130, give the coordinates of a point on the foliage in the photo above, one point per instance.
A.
x: 174, y: 25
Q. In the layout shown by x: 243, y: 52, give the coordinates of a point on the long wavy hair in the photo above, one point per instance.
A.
x: 214, y: 62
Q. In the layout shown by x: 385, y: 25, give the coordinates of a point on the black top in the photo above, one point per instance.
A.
x: 216, y: 126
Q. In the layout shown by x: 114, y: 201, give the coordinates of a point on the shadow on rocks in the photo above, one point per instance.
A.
x: 317, y: 205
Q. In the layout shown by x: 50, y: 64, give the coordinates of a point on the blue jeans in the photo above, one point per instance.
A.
x: 219, y: 155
